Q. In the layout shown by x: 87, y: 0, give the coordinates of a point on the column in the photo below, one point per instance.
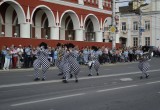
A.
x: 38, y: 32
x: 99, y: 36
x: 81, y: 2
x: 79, y: 35
x: 25, y: 31
x: 100, y: 4
x: 8, y: 30
x: 62, y: 33
x: 54, y: 33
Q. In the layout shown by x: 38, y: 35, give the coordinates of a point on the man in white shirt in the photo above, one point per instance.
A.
x: 20, y: 57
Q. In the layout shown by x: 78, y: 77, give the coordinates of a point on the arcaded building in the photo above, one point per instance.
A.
x: 31, y: 21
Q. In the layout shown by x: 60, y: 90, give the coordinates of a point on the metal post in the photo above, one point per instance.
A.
x: 113, y: 23
x: 140, y: 27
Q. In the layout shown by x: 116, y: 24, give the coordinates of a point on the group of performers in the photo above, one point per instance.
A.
x: 68, y: 65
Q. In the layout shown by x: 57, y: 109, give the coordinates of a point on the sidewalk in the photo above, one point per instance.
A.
x: 82, y: 66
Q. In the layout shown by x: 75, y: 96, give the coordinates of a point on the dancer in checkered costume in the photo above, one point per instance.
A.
x: 74, y: 65
x: 144, y: 65
x: 41, y: 61
x: 71, y: 64
x: 94, y: 61
x: 60, y: 62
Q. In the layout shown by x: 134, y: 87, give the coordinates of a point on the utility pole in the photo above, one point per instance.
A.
x: 113, y: 23
x: 140, y: 27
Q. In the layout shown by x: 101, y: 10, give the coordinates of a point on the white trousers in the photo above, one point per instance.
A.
x: 6, y: 63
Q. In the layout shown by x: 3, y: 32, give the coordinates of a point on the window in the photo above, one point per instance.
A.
x: 147, y: 25
x: 96, y: 1
x: 135, y: 41
x: 135, y: 25
x: 123, y: 26
x: 147, y: 41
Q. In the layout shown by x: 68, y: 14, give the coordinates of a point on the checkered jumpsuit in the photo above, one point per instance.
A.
x: 144, y: 66
x: 94, y: 62
x: 74, y: 65
x: 60, y: 62
x: 66, y: 69
x: 41, y: 61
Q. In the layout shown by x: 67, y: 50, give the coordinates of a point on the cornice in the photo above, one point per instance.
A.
x: 78, y: 6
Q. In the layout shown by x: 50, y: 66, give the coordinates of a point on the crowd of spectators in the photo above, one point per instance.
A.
x: 23, y: 57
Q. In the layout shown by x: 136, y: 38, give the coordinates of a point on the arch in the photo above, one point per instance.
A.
x: 19, y: 10
x: 94, y: 20
x: 108, y: 20
x: 49, y: 13
x: 1, y: 19
x: 74, y: 17
x: 67, y: 25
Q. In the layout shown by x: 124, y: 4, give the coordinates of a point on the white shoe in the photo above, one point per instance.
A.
x: 4, y: 68
x: 7, y: 69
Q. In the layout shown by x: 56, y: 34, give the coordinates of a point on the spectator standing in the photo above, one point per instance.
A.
x: 3, y: 55
x: 20, y: 57
x: 28, y: 56
x: 55, y: 56
x: 85, y: 55
x: 7, y: 54
x: 33, y: 55
x: 14, y: 56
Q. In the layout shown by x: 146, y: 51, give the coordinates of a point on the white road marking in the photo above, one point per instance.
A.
x: 105, y: 90
x: 126, y: 79
x: 44, y: 100
x: 82, y: 78
x: 159, y: 92
x: 107, y: 69
x: 153, y: 82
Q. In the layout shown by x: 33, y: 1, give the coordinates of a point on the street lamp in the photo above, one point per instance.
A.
x: 46, y: 36
x: 15, y: 34
x: 138, y: 11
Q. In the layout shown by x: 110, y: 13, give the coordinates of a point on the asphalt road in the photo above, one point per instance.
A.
x: 117, y: 88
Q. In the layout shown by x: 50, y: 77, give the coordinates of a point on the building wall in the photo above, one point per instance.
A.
x: 8, y: 41
x: 31, y: 15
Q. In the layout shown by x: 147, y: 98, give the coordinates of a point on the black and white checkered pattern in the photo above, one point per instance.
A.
x: 66, y: 66
x: 41, y: 61
x: 94, y: 62
x: 144, y: 66
x: 74, y: 65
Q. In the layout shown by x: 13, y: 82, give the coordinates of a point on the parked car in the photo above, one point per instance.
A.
x: 151, y: 49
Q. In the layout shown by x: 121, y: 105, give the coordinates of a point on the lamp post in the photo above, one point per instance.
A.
x: 140, y: 27
x: 113, y: 24
x: 157, y: 40
x: 138, y: 11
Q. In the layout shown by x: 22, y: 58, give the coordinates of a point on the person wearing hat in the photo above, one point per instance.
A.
x: 144, y: 65
x: 94, y: 60
x: 41, y: 61
x: 71, y: 64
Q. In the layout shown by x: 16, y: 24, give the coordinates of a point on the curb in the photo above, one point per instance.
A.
x: 52, y: 68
